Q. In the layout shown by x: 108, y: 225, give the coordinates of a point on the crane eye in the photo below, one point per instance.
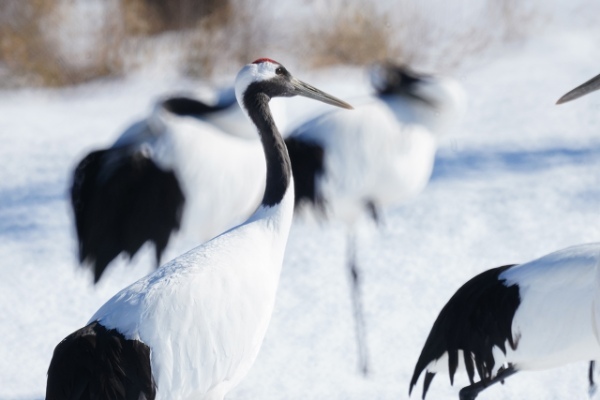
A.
x: 279, y: 71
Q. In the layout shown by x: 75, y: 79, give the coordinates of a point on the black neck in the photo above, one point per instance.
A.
x: 256, y: 102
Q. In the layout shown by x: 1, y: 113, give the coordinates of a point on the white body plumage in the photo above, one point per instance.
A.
x: 558, y: 320
x: 370, y: 156
x: 221, y: 175
x: 204, y: 315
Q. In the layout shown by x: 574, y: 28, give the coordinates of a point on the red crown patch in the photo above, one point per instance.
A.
x: 261, y: 60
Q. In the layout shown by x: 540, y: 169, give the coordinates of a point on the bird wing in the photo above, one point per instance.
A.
x: 477, y: 318
x: 94, y: 362
x: 115, y: 197
x: 307, y: 167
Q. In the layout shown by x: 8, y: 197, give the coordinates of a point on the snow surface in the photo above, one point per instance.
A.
x: 519, y: 178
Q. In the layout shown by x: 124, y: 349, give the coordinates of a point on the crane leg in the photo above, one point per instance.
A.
x: 593, y: 387
x: 355, y: 276
x: 470, y: 392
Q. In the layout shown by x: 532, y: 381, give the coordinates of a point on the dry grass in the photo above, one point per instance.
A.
x: 215, y: 36
x: 358, y: 33
x: 24, y: 48
x: 30, y: 51
x: 150, y: 17
x: 351, y: 34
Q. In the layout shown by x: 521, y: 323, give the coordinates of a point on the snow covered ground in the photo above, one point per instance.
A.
x: 519, y: 178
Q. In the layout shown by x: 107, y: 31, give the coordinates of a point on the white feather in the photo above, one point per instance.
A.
x: 368, y: 156
x: 222, y: 176
x: 557, y: 320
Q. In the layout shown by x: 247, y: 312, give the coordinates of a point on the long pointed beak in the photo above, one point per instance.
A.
x: 306, y: 90
x: 581, y: 90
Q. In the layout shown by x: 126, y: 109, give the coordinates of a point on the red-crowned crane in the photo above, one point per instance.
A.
x: 537, y: 315
x: 351, y: 164
x: 193, y: 328
x: 188, y: 165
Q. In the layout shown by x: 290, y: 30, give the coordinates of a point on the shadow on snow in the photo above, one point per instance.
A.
x: 461, y: 164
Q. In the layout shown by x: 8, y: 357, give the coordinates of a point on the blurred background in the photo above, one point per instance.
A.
x: 67, y: 42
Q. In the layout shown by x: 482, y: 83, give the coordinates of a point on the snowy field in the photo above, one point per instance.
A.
x: 520, y: 177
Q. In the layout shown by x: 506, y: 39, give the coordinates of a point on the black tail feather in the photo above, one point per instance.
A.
x: 307, y: 166
x: 469, y: 366
x: 96, y: 363
x: 476, y: 319
x: 121, y: 200
x: 427, y: 382
x: 188, y: 106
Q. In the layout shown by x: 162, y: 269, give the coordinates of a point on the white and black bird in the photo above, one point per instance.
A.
x: 193, y: 328
x: 537, y: 315
x: 587, y: 87
x: 380, y: 155
x: 189, y: 166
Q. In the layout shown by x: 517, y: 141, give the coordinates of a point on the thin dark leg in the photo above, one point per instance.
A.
x: 592, y: 388
x: 591, y: 373
x: 470, y: 392
x: 363, y: 352
x: 373, y: 212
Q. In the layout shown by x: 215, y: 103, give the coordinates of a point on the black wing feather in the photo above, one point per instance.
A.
x: 121, y: 200
x: 307, y: 167
x: 188, y: 106
x: 97, y: 363
x: 478, y: 317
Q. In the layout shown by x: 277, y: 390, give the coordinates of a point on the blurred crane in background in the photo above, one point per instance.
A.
x: 347, y: 165
x: 188, y: 165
